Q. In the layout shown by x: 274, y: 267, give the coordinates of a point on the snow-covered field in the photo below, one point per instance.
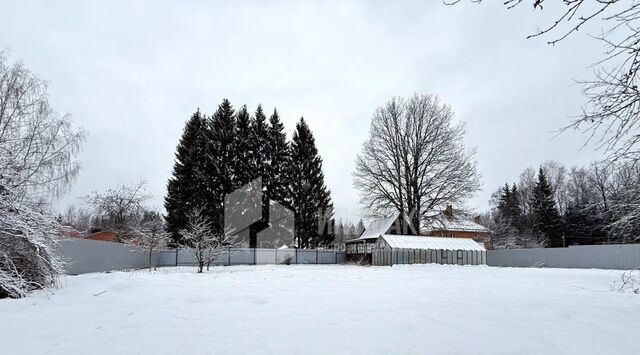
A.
x: 432, y: 309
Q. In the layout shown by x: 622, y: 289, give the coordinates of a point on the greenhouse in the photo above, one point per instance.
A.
x: 405, y: 249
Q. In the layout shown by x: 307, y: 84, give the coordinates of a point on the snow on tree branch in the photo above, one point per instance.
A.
x: 27, y: 259
x: 203, y: 241
x: 415, y: 161
x: 38, y: 148
x: 150, y: 235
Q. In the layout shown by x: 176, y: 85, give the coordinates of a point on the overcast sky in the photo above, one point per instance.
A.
x: 131, y: 73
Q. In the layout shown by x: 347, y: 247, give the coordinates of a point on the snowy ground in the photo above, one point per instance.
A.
x: 327, y: 309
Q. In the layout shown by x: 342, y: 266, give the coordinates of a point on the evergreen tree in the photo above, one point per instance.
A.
x: 278, y: 159
x: 311, y: 200
x: 359, y: 228
x: 504, y: 201
x: 515, y: 205
x: 340, y: 233
x: 508, y: 208
x: 259, y: 144
x: 352, y: 233
x: 242, y: 148
x: 221, y: 162
x: 545, y: 214
x: 187, y: 185
x: 584, y: 225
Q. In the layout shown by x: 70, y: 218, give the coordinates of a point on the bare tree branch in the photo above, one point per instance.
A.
x: 415, y: 161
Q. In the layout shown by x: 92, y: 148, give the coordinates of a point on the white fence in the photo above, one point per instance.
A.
x: 619, y: 257
x: 250, y: 256
x: 83, y: 256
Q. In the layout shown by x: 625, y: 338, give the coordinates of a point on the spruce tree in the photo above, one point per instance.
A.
x: 359, y: 228
x: 278, y: 159
x: 188, y: 182
x: 504, y: 202
x: 221, y: 162
x: 242, y: 147
x: 516, y: 208
x: 311, y: 200
x: 545, y: 214
x: 259, y: 144
x: 340, y: 233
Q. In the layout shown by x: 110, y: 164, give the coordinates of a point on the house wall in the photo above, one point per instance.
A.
x: 484, y: 238
x: 105, y: 236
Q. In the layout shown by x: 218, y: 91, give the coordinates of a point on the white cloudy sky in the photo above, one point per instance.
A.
x: 131, y: 73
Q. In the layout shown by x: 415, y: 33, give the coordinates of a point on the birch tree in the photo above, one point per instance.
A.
x: 38, y: 149
x: 415, y: 161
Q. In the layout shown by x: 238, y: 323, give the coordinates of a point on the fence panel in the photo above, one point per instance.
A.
x: 619, y: 257
x: 286, y: 256
x: 83, y: 256
x: 327, y: 257
x: 306, y: 256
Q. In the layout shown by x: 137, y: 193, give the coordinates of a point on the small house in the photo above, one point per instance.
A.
x: 454, y: 224
x: 360, y: 249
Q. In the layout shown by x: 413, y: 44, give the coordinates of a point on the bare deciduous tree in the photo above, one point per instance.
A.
x: 37, y: 145
x: 79, y: 217
x: 120, y: 209
x: 624, y: 203
x: 505, y: 236
x: 203, y: 241
x: 150, y: 235
x: 414, y: 161
x: 38, y: 148
x: 611, y: 114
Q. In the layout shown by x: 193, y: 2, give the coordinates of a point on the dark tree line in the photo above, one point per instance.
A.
x: 559, y: 207
x: 220, y: 153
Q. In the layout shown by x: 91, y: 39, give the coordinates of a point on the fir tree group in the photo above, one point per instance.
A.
x: 546, y: 218
x: 222, y: 152
x: 528, y: 222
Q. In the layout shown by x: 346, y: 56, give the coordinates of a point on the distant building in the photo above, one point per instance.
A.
x: 454, y: 224
x: 70, y: 232
x: 360, y: 249
x: 105, y: 236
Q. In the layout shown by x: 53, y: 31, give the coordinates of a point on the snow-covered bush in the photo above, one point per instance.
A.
x: 27, y: 260
x: 205, y: 244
